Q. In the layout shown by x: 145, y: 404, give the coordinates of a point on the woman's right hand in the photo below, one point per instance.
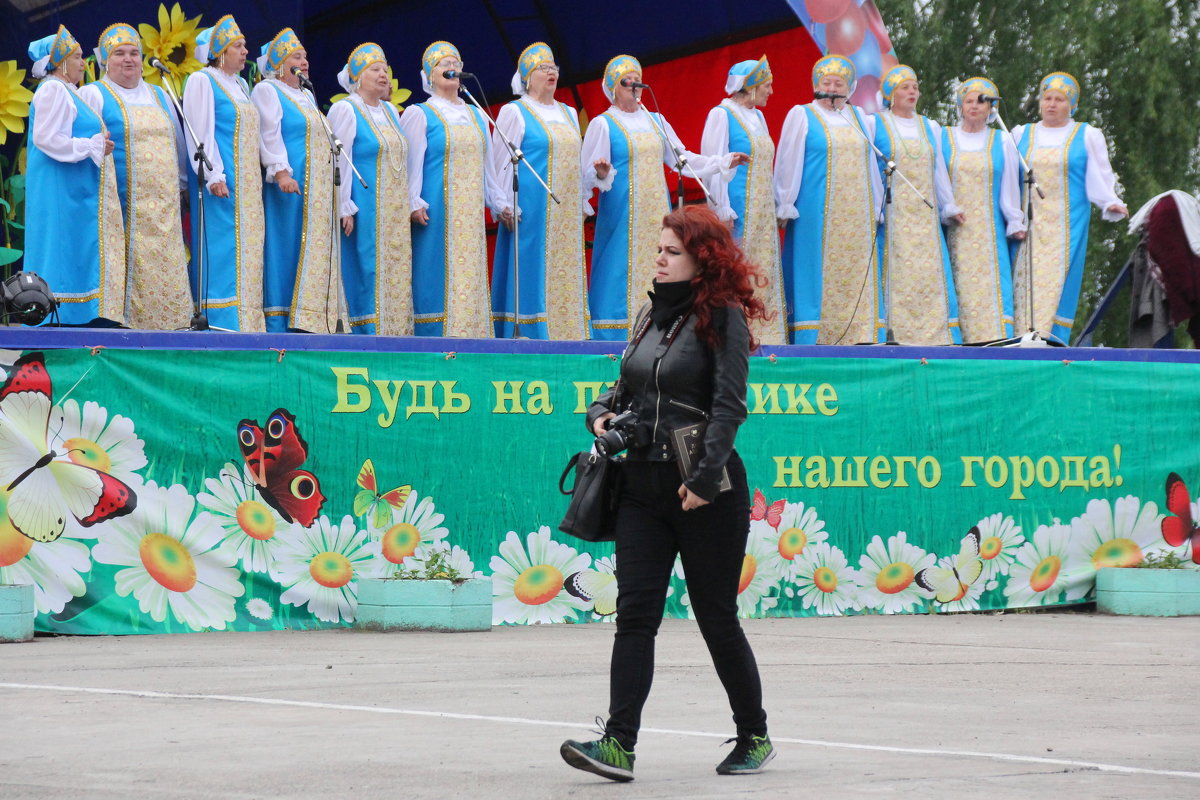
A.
x: 598, y: 426
x: 109, y: 144
x: 602, y: 168
x: 347, y: 225
x: 420, y: 216
x: 219, y: 189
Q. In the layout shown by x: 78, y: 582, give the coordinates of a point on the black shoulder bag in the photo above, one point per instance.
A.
x: 592, y: 513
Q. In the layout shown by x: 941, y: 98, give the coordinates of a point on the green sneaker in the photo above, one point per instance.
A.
x: 605, y: 757
x: 749, y: 756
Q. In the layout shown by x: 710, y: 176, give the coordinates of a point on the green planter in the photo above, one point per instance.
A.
x: 388, y: 604
x: 16, y: 612
x: 1148, y: 592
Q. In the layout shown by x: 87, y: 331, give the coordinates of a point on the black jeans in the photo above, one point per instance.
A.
x: 711, y: 541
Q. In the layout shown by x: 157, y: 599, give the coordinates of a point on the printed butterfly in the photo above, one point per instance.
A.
x: 950, y: 584
x: 598, y: 588
x: 1180, y: 529
x: 274, y: 454
x: 771, y: 513
x: 42, y: 480
x: 370, y: 501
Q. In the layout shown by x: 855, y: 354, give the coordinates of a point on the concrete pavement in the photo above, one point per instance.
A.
x: 1014, y: 705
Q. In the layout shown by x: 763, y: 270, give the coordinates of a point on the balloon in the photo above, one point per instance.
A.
x: 825, y: 10
x: 867, y: 59
x: 866, y: 95
x: 876, y: 26
x: 845, y: 35
x: 888, y: 61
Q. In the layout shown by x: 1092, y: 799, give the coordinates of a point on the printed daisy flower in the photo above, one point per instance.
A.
x: 173, y: 43
x: 885, y: 579
x: 259, y: 608
x: 92, y: 439
x: 14, y: 99
x: 415, y: 523
x: 825, y: 580
x: 999, y: 540
x: 172, y: 559
x: 799, y: 527
x: 1115, y: 535
x: 528, y: 584
x: 250, y: 524
x: 52, y: 568
x: 320, y: 565
x: 761, y: 571
x: 1043, y: 573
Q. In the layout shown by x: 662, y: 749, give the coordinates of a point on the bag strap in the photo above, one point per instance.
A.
x: 570, y: 465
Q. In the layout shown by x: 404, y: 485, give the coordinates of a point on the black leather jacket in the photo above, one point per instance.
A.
x: 694, y: 382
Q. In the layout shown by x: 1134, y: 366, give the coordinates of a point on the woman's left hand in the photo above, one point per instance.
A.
x: 690, y: 499
x: 1118, y: 208
x: 738, y: 159
x: 286, y: 183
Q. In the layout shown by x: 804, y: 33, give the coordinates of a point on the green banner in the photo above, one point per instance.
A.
x: 183, y: 491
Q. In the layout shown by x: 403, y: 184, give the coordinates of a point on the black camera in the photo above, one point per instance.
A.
x: 621, y: 433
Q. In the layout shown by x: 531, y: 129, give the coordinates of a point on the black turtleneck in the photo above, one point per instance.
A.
x: 669, y: 300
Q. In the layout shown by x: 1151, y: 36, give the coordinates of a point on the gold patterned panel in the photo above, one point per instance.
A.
x: 849, y: 302
x: 913, y: 258
x: 646, y: 209
x: 393, y: 268
x: 113, y: 288
x: 760, y: 237
x: 159, y: 296
x: 566, y: 275
x: 318, y: 293
x: 468, y: 299
x: 973, y: 246
x: 1051, y: 236
x: 250, y: 221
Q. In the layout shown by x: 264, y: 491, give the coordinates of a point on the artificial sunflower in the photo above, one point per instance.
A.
x: 14, y: 99
x: 173, y: 43
x: 398, y: 95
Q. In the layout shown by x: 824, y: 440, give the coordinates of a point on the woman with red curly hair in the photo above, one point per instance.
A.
x: 687, y: 363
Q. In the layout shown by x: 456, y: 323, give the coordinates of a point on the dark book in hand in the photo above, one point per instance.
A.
x: 689, y: 449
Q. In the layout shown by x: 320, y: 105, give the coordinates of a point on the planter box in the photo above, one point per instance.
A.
x: 416, y: 605
x: 16, y: 613
x: 1148, y: 592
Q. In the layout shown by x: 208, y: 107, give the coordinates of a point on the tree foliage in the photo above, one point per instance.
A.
x: 1139, y: 67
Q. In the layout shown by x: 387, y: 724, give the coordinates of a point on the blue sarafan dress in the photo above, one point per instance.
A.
x: 149, y: 157
x: 226, y: 121
x: 301, y: 281
x: 449, y: 176
x: 74, y: 233
x: 983, y: 173
x: 827, y: 186
x: 1071, y: 165
x: 550, y: 263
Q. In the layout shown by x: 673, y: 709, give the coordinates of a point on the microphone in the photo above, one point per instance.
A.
x: 158, y: 65
x: 451, y: 74
x: 304, y: 81
x: 630, y: 83
x: 988, y: 98
x: 828, y: 96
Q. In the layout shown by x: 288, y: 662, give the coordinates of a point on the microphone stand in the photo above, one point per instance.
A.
x: 199, y: 317
x: 1031, y: 185
x: 681, y: 161
x: 516, y: 157
x: 890, y: 170
x: 335, y: 255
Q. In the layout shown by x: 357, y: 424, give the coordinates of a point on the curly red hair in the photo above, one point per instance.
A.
x: 725, y: 277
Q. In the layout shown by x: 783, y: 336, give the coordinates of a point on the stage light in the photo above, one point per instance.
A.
x: 27, y: 298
